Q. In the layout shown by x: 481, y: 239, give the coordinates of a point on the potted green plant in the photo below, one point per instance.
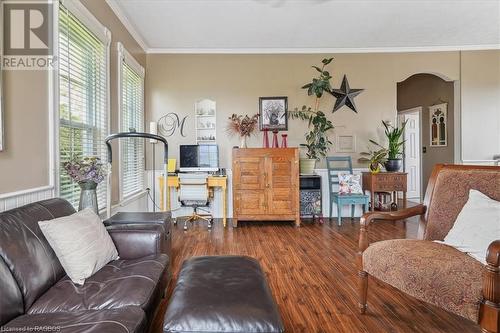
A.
x: 395, y: 146
x: 375, y: 158
x: 317, y: 143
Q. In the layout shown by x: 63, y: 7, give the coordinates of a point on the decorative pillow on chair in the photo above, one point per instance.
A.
x: 477, y: 225
x: 349, y: 184
x: 81, y: 242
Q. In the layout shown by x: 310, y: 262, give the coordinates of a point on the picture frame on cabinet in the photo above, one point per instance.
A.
x: 273, y: 113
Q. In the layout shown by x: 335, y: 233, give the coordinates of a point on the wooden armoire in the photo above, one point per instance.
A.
x: 266, y: 184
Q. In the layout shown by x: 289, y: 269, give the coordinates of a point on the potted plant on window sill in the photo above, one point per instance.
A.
x: 317, y: 143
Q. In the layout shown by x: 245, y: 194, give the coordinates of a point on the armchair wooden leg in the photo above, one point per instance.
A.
x: 489, y: 309
x: 362, y: 290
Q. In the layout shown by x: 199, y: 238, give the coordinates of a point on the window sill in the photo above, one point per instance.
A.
x: 132, y: 197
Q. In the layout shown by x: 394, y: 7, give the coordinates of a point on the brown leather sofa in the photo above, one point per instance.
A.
x: 35, y: 291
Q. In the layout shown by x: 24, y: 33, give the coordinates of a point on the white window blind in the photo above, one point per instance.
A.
x: 132, y: 168
x: 83, y: 99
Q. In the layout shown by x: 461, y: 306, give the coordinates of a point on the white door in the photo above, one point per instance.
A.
x: 412, y: 161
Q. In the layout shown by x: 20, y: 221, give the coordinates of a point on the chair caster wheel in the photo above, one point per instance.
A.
x: 209, y: 225
x: 185, y: 228
x: 175, y: 221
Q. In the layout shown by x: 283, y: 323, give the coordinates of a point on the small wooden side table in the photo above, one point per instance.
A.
x: 385, y: 182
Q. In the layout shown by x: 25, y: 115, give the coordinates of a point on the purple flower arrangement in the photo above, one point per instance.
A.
x: 84, y: 169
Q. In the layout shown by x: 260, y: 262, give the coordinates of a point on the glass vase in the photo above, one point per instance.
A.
x: 88, y: 196
x: 243, y: 141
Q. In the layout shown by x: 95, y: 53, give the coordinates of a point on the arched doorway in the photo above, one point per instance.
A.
x: 433, y: 139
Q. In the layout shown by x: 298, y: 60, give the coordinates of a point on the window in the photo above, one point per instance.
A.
x: 131, y: 97
x: 83, y: 94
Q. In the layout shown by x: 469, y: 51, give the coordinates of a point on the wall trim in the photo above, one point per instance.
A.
x: 26, y: 191
x: 113, y: 4
x: 87, y: 18
x: 321, y: 50
x: 20, y: 198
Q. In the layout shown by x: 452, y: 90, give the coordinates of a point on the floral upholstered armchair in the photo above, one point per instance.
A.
x: 422, y: 268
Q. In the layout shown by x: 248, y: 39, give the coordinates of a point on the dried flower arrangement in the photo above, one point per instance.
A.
x: 244, y: 126
x: 86, y: 169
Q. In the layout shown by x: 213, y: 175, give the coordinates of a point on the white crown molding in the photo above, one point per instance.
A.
x: 320, y: 50
x: 115, y: 7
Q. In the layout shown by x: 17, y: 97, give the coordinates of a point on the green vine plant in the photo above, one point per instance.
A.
x: 317, y: 141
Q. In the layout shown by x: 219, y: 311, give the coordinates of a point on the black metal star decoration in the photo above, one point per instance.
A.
x: 345, y: 96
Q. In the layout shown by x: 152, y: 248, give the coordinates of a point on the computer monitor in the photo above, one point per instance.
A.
x: 203, y: 158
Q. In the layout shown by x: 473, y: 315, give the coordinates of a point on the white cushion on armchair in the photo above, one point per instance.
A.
x: 477, y: 225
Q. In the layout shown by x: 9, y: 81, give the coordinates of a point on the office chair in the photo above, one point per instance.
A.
x: 194, y: 192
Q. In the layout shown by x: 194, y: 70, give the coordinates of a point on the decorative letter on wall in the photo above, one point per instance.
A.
x: 438, y: 122
x: 169, y: 123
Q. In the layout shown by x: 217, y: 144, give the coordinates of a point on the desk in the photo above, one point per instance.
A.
x: 213, y: 182
x: 385, y: 182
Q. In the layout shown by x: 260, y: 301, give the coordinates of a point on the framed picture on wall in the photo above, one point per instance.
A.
x: 273, y: 113
x: 438, y: 125
x: 346, y: 143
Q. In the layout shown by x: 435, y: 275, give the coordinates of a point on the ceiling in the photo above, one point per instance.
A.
x: 310, y: 26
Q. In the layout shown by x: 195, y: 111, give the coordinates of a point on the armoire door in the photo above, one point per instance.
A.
x: 249, y: 186
x: 282, y: 179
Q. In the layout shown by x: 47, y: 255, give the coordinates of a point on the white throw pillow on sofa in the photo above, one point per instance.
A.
x: 81, y: 243
x: 477, y: 225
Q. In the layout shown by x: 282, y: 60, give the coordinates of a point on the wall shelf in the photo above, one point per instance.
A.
x: 205, y: 121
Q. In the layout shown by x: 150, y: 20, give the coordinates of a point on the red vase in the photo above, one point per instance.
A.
x: 275, y: 139
x: 284, y: 141
x: 265, y: 138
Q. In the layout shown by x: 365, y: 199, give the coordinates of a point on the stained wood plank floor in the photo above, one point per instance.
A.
x: 311, y: 271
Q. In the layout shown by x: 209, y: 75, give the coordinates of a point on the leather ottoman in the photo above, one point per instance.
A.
x: 222, y: 294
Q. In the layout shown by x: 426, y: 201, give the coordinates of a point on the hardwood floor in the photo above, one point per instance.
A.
x: 311, y: 271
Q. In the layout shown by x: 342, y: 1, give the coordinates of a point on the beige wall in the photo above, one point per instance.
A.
x: 25, y: 162
x: 235, y: 82
x: 425, y: 90
x: 480, y: 105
